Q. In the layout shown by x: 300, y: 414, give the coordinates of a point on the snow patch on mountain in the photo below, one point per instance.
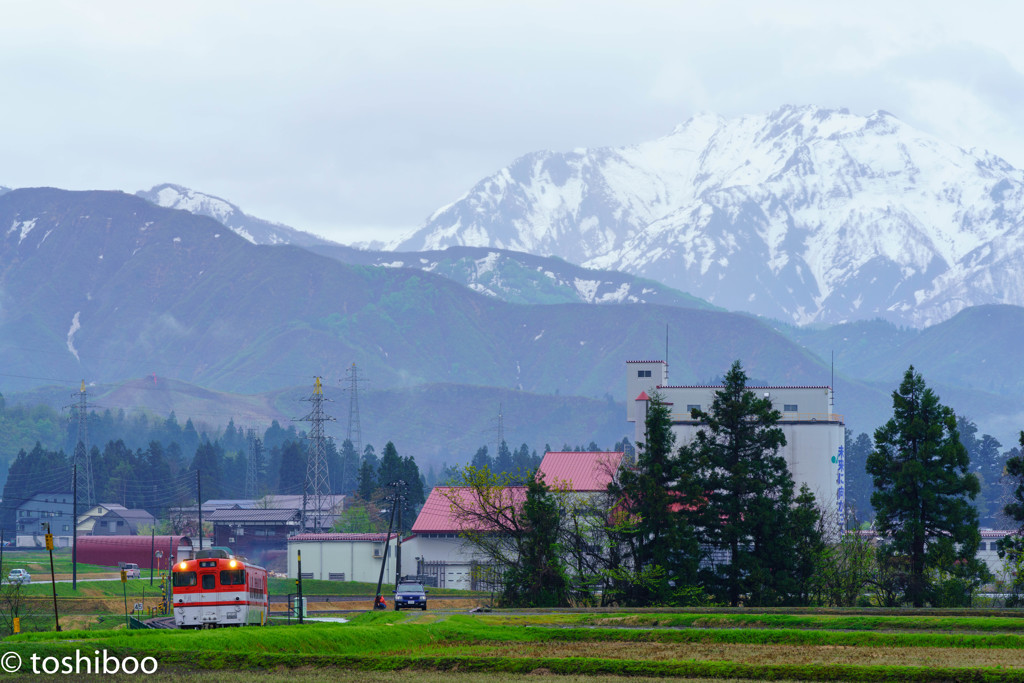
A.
x: 805, y: 213
x: 75, y: 326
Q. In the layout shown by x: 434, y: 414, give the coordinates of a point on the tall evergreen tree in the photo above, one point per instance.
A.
x: 1011, y: 548
x: 349, y: 467
x: 656, y: 545
x: 292, y: 478
x: 858, y: 482
x: 32, y: 472
x: 749, y: 502
x: 367, y: 480
x: 482, y: 459
x: 503, y: 461
x: 391, y: 467
x: 923, y: 490
x: 540, y: 578
x: 208, y: 462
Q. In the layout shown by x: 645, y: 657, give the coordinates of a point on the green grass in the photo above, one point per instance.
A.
x: 507, y: 645
x: 38, y: 562
x: 96, y: 589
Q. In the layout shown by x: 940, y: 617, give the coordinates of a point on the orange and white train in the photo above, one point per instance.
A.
x: 216, y: 589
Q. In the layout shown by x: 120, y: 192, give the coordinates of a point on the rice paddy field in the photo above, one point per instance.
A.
x: 574, y: 646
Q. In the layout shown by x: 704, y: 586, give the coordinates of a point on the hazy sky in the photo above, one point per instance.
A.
x: 358, y: 120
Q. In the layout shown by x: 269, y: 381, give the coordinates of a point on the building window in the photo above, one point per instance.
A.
x: 981, y: 546
x: 691, y: 407
x: 789, y: 408
x: 643, y: 373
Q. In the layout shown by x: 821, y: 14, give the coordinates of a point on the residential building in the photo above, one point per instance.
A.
x: 448, y: 560
x: 53, y: 511
x: 251, y: 532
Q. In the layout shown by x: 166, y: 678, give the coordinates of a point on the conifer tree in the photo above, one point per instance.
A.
x: 923, y: 490
x: 657, y: 545
x: 749, y: 512
x: 1011, y: 547
x: 539, y: 578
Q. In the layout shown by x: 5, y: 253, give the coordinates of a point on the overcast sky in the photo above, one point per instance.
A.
x: 357, y: 120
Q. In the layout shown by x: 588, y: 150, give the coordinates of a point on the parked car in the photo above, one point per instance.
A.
x: 410, y: 595
x: 131, y: 570
x: 19, y: 576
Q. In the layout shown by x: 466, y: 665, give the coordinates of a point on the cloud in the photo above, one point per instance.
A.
x: 338, y: 116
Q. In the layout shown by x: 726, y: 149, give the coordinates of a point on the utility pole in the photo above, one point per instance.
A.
x: 377, y: 603
x: 199, y: 501
x: 317, y: 482
x: 399, y: 496
x: 74, y: 527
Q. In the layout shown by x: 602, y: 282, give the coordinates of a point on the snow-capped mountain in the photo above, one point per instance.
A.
x: 256, y: 230
x: 805, y: 214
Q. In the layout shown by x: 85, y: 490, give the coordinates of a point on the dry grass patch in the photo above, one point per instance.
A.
x: 744, y: 653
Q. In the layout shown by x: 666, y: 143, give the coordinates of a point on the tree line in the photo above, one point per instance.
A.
x: 162, y: 474
x: 719, y: 520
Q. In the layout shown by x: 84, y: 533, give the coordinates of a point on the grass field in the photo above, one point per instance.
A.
x: 37, y: 563
x: 501, y: 646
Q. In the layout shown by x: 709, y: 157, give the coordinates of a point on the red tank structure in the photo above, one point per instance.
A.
x: 145, y: 551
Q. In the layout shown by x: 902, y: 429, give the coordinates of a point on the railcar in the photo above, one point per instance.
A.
x: 216, y: 589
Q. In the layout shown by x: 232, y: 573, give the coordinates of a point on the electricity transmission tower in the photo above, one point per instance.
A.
x: 355, y: 431
x: 82, y: 459
x: 317, y: 488
x: 500, y: 429
x: 252, y: 470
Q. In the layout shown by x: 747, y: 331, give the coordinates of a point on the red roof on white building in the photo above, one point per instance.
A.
x: 575, y: 471
x: 580, y: 471
x: 440, y: 514
x: 349, y: 537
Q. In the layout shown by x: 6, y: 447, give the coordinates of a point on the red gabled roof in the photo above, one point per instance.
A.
x: 441, y: 514
x: 580, y: 471
x: 643, y: 396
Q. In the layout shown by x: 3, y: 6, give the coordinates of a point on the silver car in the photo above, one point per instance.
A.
x: 19, y: 576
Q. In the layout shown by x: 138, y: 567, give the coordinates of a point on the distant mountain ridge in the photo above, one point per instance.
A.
x: 509, y: 276
x: 804, y: 214
x: 255, y: 230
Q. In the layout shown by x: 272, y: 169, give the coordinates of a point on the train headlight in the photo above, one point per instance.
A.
x: 232, y: 564
x: 182, y: 565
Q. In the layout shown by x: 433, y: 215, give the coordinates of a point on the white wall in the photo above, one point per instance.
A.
x: 353, y: 558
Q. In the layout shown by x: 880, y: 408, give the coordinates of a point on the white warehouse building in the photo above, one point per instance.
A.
x: 815, y: 435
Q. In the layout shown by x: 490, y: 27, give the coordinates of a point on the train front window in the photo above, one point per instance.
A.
x: 184, y: 579
x: 209, y: 581
x: 232, y: 577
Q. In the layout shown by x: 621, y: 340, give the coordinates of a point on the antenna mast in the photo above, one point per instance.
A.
x: 317, y: 483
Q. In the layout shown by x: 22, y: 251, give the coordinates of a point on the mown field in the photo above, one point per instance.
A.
x: 507, y: 646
